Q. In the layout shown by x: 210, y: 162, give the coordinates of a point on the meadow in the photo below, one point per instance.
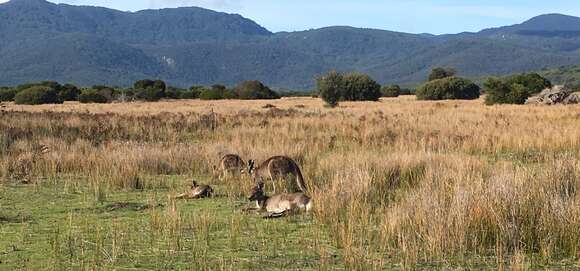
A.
x: 398, y: 184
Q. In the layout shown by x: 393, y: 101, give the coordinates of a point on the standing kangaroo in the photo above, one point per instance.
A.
x: 230, y: 163
x: 276, y: 168
x: 281, y: 204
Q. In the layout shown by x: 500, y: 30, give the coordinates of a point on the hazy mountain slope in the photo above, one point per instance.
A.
x: 88, y: 45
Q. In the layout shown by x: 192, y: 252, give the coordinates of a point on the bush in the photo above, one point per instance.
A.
x: 448, y: 88
x: 406, y: 91
x: 532, y: 82
x: 149, y: 90
x: 217, y: 92
x: 360, y: 87
x: 69, y: 92
x: 37, y: 95
x: 330, y: 88
x: 254, y: 90
x: 440, y: 73
x: 7, y: 94
x: 92, y: 96
x: 514, y: 89
x: 502, y: 92
x: 392, y: 91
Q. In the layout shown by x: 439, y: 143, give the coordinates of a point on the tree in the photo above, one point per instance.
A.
x: 149, y: 90
x: 532, y: 82
x: 92, y: 96
x: 252, y: 90
x: 69, y: 92
x: 392, y: 91
x: 448, y: 88
x: 440, y: 73
x: 217, y: 92
x: 515, y: 89
x: 7, y: 94
x: 360, y: 87
x: 37, y: 95
x: 330, y: 88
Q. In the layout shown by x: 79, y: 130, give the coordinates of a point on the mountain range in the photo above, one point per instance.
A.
x: 86, y: 45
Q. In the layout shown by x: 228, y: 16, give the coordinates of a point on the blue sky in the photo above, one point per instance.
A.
x: 413, y: 16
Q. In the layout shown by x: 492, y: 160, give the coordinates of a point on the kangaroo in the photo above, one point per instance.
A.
x: 280, y: 204
x: 275, y: 168
x: 229, y: 163
x: 197, y: 192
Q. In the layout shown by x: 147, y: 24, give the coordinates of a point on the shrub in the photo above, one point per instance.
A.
x: 392, y: 91
x: 448, y: 88
x: 532, y: 82
x: 173, y: 92
x: 406, y: 91
x: 330, y: 88
x: 69, y: 92
x: 37, y: 95
x: 254, y: 90
x: 7, y: 94
x: 514, y: 89
x: 149, y: 94
x: 501, y: 92
x: 92, y: 96
x: 217, y: 92
x: 440, y: 73
x: 149, y: 90
x: 360, y: 87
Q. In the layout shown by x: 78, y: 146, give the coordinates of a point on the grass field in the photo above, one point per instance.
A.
x: 396, y: 184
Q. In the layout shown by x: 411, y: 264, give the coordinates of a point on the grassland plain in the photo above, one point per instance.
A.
x: 397, y: 184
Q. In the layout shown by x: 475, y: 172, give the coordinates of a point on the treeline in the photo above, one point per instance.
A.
x: 442, y: 84
x: 50, y: 92
x: 333, y: 87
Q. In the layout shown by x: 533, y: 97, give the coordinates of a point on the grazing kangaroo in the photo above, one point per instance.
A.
x: 280, y: 204
x: 197, y: 192
x: 230, y: 163
x: 275, y: 168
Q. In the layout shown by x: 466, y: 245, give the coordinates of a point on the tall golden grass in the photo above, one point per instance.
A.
x: 396, y: 180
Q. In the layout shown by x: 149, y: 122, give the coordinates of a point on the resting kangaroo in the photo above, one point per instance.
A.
x: 281, y: 204
x: 276, y: 168
x: 196, y: 192
x: 230, y: 163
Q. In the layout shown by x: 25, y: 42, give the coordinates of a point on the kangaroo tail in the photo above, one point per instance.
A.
x: 300, y: 180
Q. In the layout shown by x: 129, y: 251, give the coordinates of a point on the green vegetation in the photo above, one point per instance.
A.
x: 69, y: 92
x: 330, y: 87
x: 515, y: 89
x: 252, y: 90
x: 217, y: 92
x: 565, y: 75
x: 7, y: 94
x: 334, y: 87
x: 449, y: 88
x: 92, y: 96
x: 440, y: 73
x: 37, y: 95
x: 391, y: 91
x: 53, y: 227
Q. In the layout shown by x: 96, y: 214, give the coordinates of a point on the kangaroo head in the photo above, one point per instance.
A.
x: 257, y: 192
x: 193, y: 184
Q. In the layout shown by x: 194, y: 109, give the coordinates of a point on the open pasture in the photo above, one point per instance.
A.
x: 396, y: 184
